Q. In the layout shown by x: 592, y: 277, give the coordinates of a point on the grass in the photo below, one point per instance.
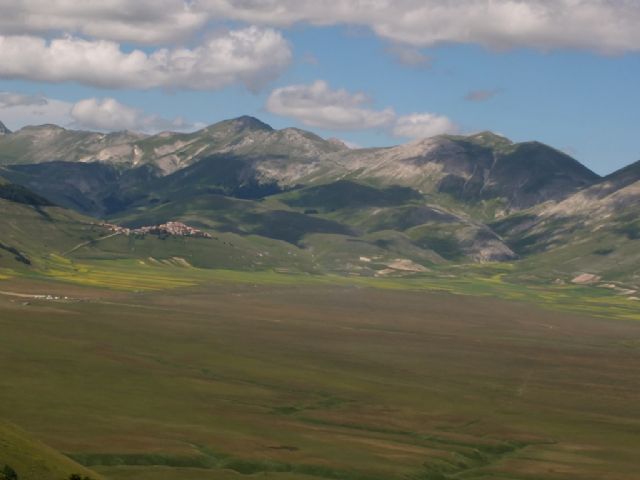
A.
x: 492, y: 280
x: 316, y: 377
x: 152, y: 367
x: 32, y: 460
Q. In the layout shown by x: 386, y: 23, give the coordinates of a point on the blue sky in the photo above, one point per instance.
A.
x: 579, y: 98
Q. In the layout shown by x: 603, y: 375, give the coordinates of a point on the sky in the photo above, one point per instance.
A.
x: 369, y: 72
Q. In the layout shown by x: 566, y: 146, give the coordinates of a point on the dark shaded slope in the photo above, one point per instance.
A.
x: 348, y: 194
x: 523, y: 174
x: 95, y: 189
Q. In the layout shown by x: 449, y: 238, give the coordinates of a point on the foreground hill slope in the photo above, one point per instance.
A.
x: 33, y: 227
x: 33, y: 460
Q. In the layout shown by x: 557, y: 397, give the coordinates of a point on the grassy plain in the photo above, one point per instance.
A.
x: 231, y: 375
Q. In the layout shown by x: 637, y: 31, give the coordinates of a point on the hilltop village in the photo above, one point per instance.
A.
x: 176, y: 229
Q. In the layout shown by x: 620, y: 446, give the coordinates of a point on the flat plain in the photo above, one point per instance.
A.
x: 285, y: 377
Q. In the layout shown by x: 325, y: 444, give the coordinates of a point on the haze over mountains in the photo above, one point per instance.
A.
x: 291, y: 199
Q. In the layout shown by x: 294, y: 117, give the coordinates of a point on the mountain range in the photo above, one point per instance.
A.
x: 291, y: 199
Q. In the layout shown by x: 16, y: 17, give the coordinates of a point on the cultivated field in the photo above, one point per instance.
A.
x: 289, y: 377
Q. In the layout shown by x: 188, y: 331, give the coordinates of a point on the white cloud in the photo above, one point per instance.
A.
x: 316, y: 105
x: 139, y: 21
x: 108, y: 114
x: 421, y: 125
x: 252, y: 56
x: 18, y: 110
x: 600, y: 25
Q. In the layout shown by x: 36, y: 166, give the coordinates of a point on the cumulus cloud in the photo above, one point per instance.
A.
x: 482, y: 95
x: 601, y: 25
x: 420, y: 125
x: 18, y: 110
x: 252, y: 56
x: 317, y: 105
x: 139, y: 21
x: 108, y: 114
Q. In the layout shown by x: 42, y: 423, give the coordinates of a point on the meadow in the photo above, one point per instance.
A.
x: 152, y: 371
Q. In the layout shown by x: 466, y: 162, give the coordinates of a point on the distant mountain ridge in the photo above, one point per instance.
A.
x: 472, y: 168
x: 444, y: 199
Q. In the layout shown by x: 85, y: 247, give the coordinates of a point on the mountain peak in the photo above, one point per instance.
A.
x: 489, y: 138
x: 236, y: 126
x: 242, y: 123
x: 4, y: 130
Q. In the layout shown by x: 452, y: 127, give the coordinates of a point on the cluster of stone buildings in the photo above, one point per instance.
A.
x: 177, y: 229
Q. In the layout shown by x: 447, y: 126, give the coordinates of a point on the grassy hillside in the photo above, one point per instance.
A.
x: 33, y: 460
x: 348, y: 194
x: 31, y: 232
x: 345, y: 211
x: 19, y: 194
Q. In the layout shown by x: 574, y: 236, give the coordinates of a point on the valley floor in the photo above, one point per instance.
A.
x: 287, y: 377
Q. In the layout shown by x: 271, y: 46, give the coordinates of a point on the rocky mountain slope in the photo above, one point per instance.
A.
x: 168, y: 151
x: 596, y: 230
x: 473, y: 168
x: 482, y: 167
x: 46, y: 143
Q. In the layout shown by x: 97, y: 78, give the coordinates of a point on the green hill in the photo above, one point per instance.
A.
x: 33, y: 460
x: 32, y: 232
